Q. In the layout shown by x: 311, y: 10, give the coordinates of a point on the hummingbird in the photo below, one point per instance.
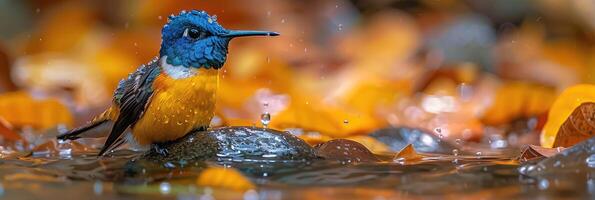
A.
x: 175, y: 93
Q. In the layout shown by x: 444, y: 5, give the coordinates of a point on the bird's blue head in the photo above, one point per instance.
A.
x: 195, y: 39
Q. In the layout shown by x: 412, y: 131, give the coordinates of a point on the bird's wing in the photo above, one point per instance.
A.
x: 132, y: 97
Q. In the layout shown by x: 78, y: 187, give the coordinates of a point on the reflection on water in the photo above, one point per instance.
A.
x: 122, y: 175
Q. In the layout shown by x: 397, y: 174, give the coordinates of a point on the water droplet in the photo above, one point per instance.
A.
x: 251, y: 195
x: 591, y: 161
x: 543, y: 184
x: 164, y: 188
x: 340, y: 27
x: 439, y: 132
x: 455, y: 152
x: 265, y: 119
x: 282, y: 21
x: 345, y: 121
x: 136, y: 44
x: 98, y: 187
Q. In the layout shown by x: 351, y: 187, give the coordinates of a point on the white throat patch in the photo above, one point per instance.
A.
x: 177, y: 71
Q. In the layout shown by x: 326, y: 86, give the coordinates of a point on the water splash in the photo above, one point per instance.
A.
x: 265, y: 119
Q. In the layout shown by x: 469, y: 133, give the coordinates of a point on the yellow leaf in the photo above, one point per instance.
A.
x: 228, y: 178
x: 569, y: 100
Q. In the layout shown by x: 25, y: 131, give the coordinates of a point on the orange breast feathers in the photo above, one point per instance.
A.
x: 178, y: 106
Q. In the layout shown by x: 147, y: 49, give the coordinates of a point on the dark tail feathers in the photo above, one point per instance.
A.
x: 74, y: 133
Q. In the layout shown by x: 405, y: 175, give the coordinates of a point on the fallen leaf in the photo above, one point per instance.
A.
x: 408, y: 154
x: 20, y: 109
x: 6, y: 132
x: 227, y: 178
x: 515, y: 100
x: 578, y: 127
x: 531, y: 152
x: 371, y: 143
x: 314, y: 138
x: 327, y: 120
x: 345, y: 150
x: 561, y: 109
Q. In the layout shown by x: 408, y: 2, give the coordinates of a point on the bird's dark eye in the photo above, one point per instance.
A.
x: 193, y: 33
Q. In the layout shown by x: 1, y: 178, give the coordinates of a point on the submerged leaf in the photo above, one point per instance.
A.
x: 578, y: 127
x: 221, y: 177
x: 67, y: 148
x: 371, y: 143
x: 34, y: 178
x: 531, y: 152
x: 408, y: 154
x: 345, y: 150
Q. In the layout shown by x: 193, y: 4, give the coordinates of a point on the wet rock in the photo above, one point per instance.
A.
x: 345, y: 150
x: 233, y: 143
x: 579, y: 159
x: 398, y: 138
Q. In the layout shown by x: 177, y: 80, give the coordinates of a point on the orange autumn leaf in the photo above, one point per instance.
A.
x: 345, y: 150
x: 408, y: 154
x: 327, y: 120
x: 6, y: 132
x: 227, y: 178
x: 562, y: 108
x: 369, y: 96
x: 20, y: 109
x: 314, y: 138
x: 518, y: 99
x: 371, y: 143
x: 530, y: 152
x: 578, y: 127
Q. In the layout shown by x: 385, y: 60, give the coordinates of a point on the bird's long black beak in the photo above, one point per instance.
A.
x: 233, y: 34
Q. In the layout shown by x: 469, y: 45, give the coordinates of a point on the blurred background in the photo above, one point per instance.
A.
x: 472, y: 70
